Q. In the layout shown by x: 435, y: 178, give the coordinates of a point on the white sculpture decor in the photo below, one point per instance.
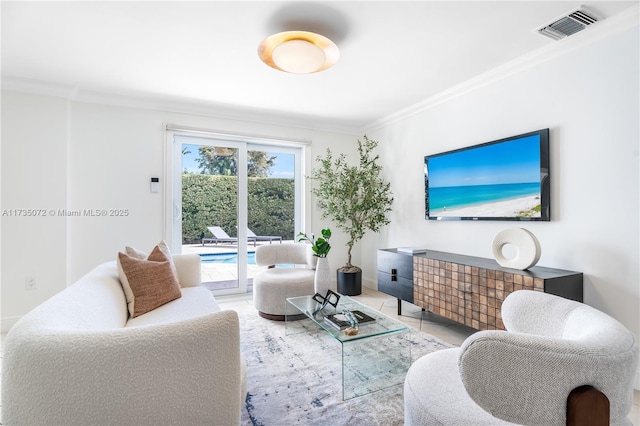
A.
x: 526, y: 244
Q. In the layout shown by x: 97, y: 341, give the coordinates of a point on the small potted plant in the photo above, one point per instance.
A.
x: 320, y: 247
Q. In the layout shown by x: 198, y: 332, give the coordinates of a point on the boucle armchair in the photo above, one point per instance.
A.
x: 524, y: 375
x: 79, y: 359
x: 272, y: 287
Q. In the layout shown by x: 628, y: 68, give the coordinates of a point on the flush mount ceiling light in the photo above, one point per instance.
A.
x: 298, y: 52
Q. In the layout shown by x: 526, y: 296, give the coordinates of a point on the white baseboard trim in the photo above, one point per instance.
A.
x: 7, y: 322
x: 370, y: 283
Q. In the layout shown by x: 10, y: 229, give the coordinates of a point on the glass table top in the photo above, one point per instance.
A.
x: 381, y: 325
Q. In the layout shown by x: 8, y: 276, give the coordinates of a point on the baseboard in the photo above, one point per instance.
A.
x: 7, y: 322
x: 370, y: 283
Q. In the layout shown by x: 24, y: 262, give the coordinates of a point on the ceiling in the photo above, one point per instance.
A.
x: 202, y: 56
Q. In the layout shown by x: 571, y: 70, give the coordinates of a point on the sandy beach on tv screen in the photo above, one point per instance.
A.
x: 507, y: 208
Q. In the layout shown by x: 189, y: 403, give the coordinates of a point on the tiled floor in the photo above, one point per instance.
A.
x: 413, y: 316
x: 445, y: 329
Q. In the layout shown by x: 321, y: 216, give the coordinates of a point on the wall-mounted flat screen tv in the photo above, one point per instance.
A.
x: 507, y: 179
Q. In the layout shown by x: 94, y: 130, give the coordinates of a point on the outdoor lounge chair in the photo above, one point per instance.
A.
x: 270, y: 238
x: 220, y: 236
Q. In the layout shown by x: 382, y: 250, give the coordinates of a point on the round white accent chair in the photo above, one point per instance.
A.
x: 272, y: 287
x: 525, y: 375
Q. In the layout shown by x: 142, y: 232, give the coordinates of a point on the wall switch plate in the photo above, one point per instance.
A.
x: 30, y: 283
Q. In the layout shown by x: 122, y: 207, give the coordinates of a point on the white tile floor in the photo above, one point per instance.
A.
x: 445, y: 329
x: 413, y: 316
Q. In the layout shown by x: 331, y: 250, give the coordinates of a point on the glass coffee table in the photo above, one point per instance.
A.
x: 376, y: 358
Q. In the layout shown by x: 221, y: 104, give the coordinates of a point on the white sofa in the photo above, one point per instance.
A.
x: 78, y: 359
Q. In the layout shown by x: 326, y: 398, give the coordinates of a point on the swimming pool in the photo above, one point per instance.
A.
x: 227, y: 257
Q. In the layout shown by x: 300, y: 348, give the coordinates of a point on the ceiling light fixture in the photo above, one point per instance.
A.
x: 298, y: 52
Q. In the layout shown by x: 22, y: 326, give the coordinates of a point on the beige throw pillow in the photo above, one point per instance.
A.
x: 148, y: 283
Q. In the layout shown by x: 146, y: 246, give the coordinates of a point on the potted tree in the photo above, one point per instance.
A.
x: 356, y: 199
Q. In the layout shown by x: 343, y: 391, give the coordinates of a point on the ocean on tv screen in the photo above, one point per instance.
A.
x: 499, y: 200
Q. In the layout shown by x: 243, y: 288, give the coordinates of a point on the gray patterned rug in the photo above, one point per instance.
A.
x: 297, y: 379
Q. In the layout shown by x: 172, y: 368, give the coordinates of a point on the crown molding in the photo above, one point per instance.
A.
x: 225, y: 112
x: 604, y: 29
x: 177, y: 106
x: 36, y: 87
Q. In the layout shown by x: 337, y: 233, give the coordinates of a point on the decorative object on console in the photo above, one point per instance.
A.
x: 526, y: 244
x: 412, y: 250
x: 356, y: 198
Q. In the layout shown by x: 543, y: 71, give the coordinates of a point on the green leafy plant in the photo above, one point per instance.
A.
x: 355, y: 197
x: 319, y: 246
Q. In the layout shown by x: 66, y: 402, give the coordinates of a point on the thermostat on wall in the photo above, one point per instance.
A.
x: 155, y: 185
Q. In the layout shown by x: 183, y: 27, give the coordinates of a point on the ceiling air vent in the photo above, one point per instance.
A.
x: 567, y: 25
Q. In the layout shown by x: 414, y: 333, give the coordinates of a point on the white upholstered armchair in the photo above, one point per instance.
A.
x: 525, y: 375
x: 272, y: 287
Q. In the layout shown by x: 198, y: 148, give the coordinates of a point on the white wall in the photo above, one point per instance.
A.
x: 590, y: 101
x: 34, y: 162
x: 73, y: 155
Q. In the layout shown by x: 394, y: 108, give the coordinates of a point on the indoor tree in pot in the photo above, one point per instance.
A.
x: 356, y: 198
x: 321, y: 248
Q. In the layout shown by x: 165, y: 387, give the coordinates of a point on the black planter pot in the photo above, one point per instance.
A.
x: 349, y: 283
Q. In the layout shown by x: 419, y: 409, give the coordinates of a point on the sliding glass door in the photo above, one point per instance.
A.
x: 272, y: 186
x: 229, y: 197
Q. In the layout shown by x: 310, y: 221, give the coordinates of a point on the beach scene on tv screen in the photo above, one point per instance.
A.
x: 499, y: 180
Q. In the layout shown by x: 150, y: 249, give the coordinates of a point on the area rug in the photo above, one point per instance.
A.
x: 297, y: 379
